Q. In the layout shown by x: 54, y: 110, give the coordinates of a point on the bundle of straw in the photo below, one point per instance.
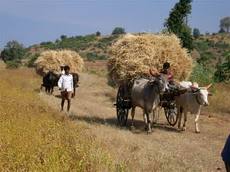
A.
x: 51, y: 60
x: 133, y: 55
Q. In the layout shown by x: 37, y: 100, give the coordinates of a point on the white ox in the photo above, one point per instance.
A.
x: 146, y: 95
x: 191, y: 101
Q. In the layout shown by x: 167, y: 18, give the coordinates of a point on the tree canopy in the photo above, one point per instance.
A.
x: 177, y: 22
x: 225, y: 24
x: 196, y: 33
x: 13, y: 51
x: 118, y: 30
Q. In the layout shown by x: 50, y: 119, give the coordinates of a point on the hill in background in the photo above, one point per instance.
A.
x: 211, y: 53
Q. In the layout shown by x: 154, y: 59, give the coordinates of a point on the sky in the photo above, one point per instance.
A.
x: 35, y: 21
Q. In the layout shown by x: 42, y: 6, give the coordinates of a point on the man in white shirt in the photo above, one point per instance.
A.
x: 65, y: 84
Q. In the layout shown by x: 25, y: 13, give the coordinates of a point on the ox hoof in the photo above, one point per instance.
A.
x: 197, y: 132
x: 183, y: 129
x: 153, y: 124
x: 149, y: 132
x: 132, y: 127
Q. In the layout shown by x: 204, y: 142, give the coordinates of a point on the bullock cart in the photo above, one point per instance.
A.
x: 167, y: 102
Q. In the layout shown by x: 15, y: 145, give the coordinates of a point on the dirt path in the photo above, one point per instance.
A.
x: 165, y: 149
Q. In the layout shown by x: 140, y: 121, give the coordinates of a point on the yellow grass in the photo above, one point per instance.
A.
x: 220, y: 101
x: 34, y: 137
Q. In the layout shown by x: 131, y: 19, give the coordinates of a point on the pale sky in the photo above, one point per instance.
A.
x: 34, y: 21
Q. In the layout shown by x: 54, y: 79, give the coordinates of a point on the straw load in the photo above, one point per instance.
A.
x: 51, y: 60
x: 133, y: 55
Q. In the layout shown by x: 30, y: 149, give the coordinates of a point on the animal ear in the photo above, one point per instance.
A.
x: 210, y: 94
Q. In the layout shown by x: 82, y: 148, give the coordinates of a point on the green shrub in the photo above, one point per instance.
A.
x: 211, y: 43
x: 226, y: 54
x: 222, y: 74
x: 201, y: 75
x: 222, y: 45
x: 201, y: 45
x: 77, y: 43
x: 103, y: 43
x: 32, y: 59
x: 13, y: 51
x: 13, y: 64
x: 48, y: 45
x: 205, y: 57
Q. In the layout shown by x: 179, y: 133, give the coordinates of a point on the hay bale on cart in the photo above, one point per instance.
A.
x: 51, y: 60
x: 133, y: 55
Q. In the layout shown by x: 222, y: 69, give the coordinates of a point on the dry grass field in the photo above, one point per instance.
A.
x: 166, y: 149
x: 35, y: 136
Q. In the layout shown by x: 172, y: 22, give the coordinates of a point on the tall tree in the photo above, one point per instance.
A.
x: 118, y: 30
x: 13, y: 51
x: 177, y: 22
x: 196, y: 33
x: 63, y: 37
x: 221, y: 30
x: 98, y: 33
x: 225, y: 24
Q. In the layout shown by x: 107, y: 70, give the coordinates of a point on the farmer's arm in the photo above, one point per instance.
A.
x: 72, y: 83
x: 60, y: 81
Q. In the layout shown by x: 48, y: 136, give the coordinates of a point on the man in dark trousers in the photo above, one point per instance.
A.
x: 226, y: 154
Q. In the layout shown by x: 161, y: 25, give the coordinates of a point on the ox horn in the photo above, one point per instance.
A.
x: 208, y: 86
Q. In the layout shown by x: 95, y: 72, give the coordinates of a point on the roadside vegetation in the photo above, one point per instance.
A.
x: 36, y: 138
x: 213, y: 62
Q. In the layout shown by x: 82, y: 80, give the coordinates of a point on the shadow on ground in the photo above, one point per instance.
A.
x: 138, y: 129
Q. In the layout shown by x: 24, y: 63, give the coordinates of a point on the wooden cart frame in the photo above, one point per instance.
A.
x: 124, y: 104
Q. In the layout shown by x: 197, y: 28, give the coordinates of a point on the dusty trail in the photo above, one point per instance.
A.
x: 165, y: 149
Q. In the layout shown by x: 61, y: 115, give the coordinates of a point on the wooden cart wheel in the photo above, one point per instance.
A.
x: 171, y: 114
x: 122, y: 111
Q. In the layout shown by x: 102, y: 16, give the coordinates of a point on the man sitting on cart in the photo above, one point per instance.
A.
x: 166, y: 71
x: 173, y: 86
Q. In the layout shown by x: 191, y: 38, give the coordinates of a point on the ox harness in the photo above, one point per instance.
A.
x: 196, y: 92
